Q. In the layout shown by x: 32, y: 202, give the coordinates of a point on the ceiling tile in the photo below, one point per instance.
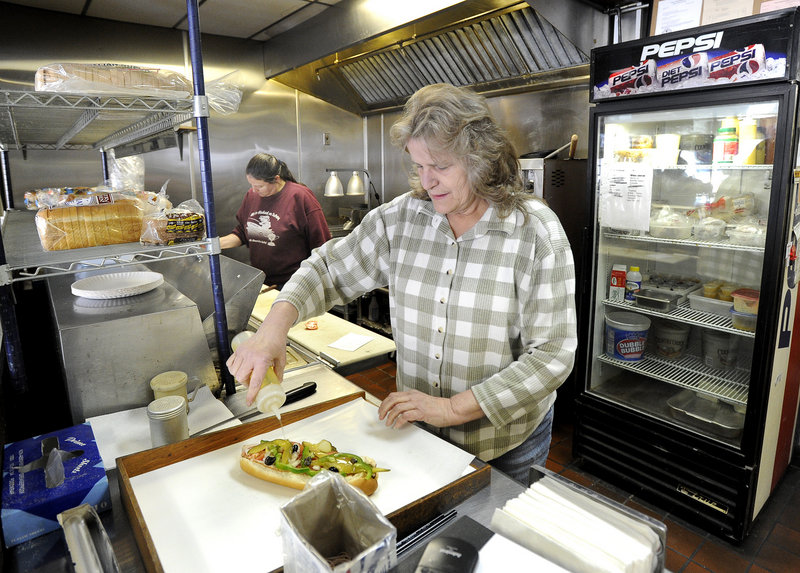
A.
x: 244, y: 18
x: 68, y: 6
x: 164, y: 13
x: 294, y: 20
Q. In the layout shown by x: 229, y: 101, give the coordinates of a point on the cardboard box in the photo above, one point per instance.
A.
x: 29, y: 506
x: 616, y: 287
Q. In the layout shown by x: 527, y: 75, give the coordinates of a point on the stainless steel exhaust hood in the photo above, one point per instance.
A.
x: 493, y: 46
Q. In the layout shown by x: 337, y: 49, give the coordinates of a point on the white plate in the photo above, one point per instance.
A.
x: 117, y: 285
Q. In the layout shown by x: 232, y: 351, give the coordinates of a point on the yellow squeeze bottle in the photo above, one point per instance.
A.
x: 271, y: 395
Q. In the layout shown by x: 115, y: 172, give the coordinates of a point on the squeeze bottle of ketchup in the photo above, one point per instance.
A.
x: 271, y: 396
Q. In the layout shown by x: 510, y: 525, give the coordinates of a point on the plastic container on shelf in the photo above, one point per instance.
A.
x: 711, y: 288
x: 745, y: 300
x: 666, y: 223
x: 726, y: 291
x: 671, y: 230
x: 744, y: 321
x: 748, y: 235
x: 626, y: 335
x: 669, y: 339
x: 712, y: 305
x: 709, y: 229
x: 720, y: 350
x: 696, y: 148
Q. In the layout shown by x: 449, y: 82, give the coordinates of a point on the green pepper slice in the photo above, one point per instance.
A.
x: 260, y: 447
x: 294, y: 470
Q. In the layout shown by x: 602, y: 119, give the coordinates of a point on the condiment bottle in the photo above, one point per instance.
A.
x: 271, y: 396
x: 633, y: 283
x: 726, y: 145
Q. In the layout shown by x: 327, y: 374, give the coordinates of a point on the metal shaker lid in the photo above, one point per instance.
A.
x: 166, y: 407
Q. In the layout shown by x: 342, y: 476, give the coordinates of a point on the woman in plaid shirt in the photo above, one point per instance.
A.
x: 481, y: 288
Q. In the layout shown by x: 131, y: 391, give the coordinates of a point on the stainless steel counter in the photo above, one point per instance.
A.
x: 111, y: 348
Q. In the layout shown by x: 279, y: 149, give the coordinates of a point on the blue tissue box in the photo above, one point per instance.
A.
x: 29, y: 506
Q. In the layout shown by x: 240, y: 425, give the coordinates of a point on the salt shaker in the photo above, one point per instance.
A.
x: 169, y: 422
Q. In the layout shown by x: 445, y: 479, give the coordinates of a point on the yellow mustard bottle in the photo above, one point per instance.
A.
x: 271, y: 396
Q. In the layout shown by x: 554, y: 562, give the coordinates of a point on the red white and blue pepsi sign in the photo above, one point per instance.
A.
x: 757, y: 48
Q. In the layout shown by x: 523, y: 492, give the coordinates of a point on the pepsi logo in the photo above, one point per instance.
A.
x: 748, y: 67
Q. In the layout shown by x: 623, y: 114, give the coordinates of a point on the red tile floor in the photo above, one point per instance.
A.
x: 772, y: 546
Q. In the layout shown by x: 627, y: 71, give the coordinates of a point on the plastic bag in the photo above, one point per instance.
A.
x: 111, y: 78
x: 185, y: 223
x: 126, y: 173
x: 333, y: 527
x: 90, y: 220
x: 224, y: 95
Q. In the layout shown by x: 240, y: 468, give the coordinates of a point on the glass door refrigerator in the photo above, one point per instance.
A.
x: 689, y: 391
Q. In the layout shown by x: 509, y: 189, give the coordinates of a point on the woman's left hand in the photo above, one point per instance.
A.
x: 401, y: 408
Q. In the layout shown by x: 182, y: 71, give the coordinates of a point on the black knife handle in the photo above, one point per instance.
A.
x: 303, y: 391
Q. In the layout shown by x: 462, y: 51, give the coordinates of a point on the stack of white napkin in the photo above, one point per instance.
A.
x: 577, y: 532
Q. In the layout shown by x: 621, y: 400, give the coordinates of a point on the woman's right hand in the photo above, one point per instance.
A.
x: 265, y: 348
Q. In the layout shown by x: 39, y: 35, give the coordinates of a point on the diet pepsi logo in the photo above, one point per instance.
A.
x: 691, y: 61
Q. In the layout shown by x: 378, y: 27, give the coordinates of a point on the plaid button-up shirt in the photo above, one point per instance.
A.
x: 492, y: 311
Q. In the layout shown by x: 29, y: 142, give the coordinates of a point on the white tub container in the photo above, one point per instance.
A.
x: 720, y: 350
x: 626, y: 335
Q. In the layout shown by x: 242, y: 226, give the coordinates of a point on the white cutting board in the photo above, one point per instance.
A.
x: 330, y: 329
x: 206, y: 514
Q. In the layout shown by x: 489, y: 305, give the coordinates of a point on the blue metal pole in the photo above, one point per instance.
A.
x: 8, y: 314
x: 201, y: 119
x: 104, y: 162
x: 8, y: 193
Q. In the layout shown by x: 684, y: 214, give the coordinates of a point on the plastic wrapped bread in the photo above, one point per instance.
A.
x: 111, y: 78
x: 224, y: 95
x: 183, y: 224
x: 103, y: 221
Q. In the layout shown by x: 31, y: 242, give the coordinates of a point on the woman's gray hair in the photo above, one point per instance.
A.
x: 456, y: 121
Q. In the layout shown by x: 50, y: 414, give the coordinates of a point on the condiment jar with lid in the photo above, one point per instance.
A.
x: 170, y: 383
x: 169, y: 422
x: 726, y: 145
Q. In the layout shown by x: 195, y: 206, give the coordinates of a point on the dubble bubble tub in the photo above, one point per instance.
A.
x: 626, y: 335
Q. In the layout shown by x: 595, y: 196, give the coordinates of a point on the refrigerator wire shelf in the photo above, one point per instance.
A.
x: 690, y: 372
x: 686, y: 314
x: 723, y: 244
